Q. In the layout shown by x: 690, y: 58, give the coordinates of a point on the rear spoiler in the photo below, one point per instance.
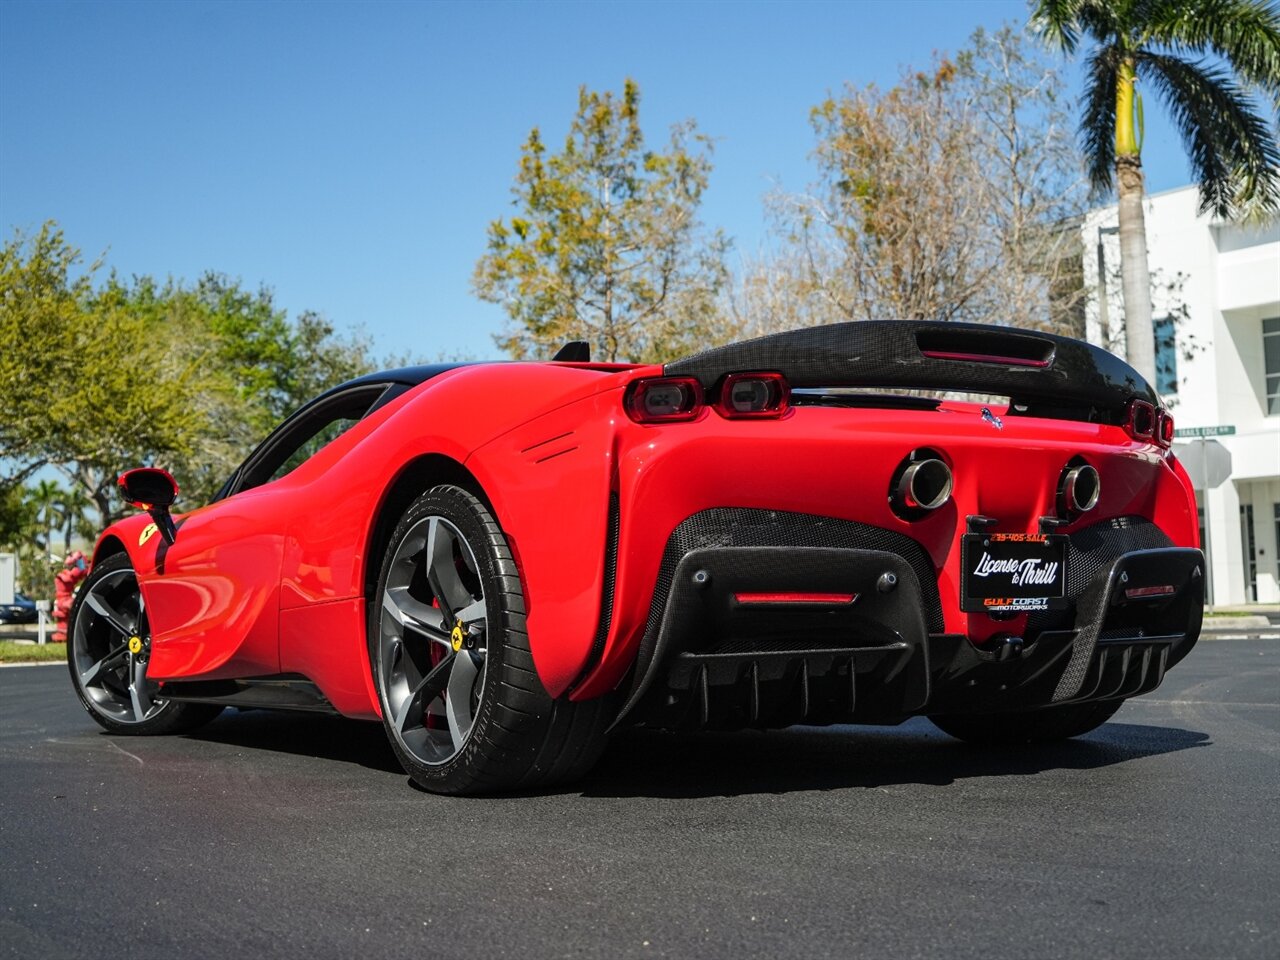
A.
x: 1044, y: 373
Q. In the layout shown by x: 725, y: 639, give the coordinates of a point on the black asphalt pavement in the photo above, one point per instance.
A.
x: 294, y: 836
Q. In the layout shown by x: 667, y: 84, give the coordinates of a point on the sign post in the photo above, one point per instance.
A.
x: 1208, y: 531
x: 42, y: 614
x: 1208, y: 464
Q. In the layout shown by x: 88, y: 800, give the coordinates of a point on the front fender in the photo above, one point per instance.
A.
x: 131, y: 535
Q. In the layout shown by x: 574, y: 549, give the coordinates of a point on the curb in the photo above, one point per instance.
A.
x: 35, y: 663
x: 1242, y: 621
x: 1240, y: 634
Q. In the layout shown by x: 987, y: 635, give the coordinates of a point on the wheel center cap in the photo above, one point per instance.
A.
x: 457, y: 636
x: 135, y: 644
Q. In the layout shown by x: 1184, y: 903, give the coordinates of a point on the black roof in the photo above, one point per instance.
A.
x: 412, y: 376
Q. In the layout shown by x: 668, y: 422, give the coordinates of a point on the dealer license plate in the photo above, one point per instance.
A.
x: 1013, y: 572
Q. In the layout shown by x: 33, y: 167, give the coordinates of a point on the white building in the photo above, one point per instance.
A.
x: 1217, y: 318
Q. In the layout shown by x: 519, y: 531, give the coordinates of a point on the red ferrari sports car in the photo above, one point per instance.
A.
x: 501, y: 562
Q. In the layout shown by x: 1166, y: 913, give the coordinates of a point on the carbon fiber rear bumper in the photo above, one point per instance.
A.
x: 842, y: 636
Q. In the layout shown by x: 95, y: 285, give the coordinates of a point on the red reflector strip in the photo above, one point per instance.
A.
x: 830, y: 599
x: 985, y: 358
x: 1139, y: 593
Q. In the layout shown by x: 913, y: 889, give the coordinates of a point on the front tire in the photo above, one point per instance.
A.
x: 108, y: 648
x: 461, y: 701
x: 1032, y: 726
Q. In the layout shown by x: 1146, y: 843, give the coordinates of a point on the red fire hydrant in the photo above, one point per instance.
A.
x: 64, y: 589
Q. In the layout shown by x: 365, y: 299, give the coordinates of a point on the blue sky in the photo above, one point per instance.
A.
x: 350, y: 155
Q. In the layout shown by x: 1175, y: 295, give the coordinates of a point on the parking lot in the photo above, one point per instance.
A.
x: 270, y: 834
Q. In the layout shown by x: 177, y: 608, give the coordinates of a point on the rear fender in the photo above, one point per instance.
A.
x: 327, y: 550
x: 552, y: 483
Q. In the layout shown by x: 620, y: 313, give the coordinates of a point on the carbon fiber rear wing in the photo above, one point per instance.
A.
x: 1041, y: 373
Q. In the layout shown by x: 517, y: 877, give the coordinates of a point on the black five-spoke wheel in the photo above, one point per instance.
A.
x: 108, y: 647
x: 433, y: 653
x: 460, y: 698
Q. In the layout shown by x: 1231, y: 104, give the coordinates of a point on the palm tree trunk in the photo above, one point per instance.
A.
x: 1135, y: 278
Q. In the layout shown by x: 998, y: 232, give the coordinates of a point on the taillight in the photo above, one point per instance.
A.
x: 1141, y: 424
x: 1164, y: 429
x: 753, y: 395
x: 664, y: 400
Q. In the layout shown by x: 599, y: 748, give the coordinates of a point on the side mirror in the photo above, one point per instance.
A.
x: 153, y: 490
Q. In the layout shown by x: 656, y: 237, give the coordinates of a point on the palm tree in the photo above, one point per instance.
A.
x: 73, y: 504
x: 45, y: 495
x: 1205, y: 59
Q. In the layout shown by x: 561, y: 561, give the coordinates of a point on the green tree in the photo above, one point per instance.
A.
x: 275, y: 364
x: 17, y: 516
x: 606, y: 245
x: 85, y: 385
x: 39, y: 309
x: 319, y: 358
x: 1203, y: 58
x: 97, y: 379
x: 145, y: 392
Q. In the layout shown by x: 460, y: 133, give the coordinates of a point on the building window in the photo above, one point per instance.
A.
x: 1271, y: 360
x: 1275, y: 509
x: 1250, y: 554
x: 1167, y: 355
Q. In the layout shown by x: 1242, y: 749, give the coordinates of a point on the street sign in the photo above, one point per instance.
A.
x: 1207, y: 462
x: 1223, y: 430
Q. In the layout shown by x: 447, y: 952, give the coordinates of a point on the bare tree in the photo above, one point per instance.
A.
x: 950, y: 196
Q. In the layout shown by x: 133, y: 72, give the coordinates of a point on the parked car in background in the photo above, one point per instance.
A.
x: 22, y: 610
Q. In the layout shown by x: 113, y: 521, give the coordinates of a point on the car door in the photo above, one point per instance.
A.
x: 213, y: 600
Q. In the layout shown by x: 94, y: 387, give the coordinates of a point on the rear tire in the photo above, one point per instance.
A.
x: 1034, y: 726
x: 461, y: 701
x: 108, y: 648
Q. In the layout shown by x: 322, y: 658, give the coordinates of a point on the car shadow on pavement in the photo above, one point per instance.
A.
x: 646, y: 763
x: 640, y: 763
x: 304, y: 734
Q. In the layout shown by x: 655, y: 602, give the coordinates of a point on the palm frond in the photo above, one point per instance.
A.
x: 1055, y: 22
x: 1233, y: 152
x: 1062, y: 22
x: 1098, y: 125
x: 1245, y: 33
x: 1107, y: 20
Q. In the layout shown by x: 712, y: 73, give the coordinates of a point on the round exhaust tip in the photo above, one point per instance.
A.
x: 925, y: 485
x: 1081, y: 487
